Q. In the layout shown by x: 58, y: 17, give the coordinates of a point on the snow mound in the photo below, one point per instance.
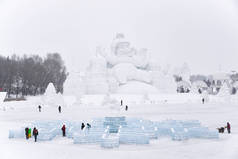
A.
x: 51, y: 98
x: 2, y: 96
x: 50, y: 90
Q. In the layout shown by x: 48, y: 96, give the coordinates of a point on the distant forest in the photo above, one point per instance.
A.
x: 30, y: 75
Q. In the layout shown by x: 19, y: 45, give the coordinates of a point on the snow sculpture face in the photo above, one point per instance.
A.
x: 120, y: 47
x: 122, y: 52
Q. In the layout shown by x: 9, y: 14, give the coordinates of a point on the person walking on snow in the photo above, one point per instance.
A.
x: 203, y: 100
x: 59, y: 108
x: 228, y: 126
x: 39, y: 107
x: 121, y: 102
x: 126, y: 108
x: 63, y: 130
x: 35, y: 133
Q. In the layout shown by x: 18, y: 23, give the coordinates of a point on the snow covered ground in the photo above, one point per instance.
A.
x: 212, y: 114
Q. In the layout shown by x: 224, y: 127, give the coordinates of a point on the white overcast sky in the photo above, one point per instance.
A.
x: 203, y: 33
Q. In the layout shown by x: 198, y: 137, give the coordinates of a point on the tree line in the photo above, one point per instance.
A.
x: 30, y: 75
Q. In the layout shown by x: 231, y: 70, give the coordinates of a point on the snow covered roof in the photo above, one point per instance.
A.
x: 200, y: 84
x: 183, y: 84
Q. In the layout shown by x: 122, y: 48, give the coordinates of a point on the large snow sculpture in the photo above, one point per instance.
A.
x: 124, y: 69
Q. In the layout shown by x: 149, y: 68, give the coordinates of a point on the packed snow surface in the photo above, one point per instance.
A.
x: 212, y: 115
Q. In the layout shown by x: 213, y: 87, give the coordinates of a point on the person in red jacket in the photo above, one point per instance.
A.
x: 35, y: 133
x: 228, y: 126
x: 63, y: 130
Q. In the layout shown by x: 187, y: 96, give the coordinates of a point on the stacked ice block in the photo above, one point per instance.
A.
x: 16, y: 133
x: 109, y: 132
x: 110, y: 141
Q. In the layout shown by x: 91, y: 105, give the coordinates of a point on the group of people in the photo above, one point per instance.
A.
x: 126, y: 107
x: 35, y: 131
x: 28, y: 133
x: 88, y: 126
x: 59, y: 108
x: 222, y: 129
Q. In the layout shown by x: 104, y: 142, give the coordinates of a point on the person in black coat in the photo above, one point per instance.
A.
x: 88, y: 126
x: 39, y: 107
x: 26, y: 132
x: 59, y: 108
x: 121, y: 102
x: 203, y: 100
x: 82, y: 126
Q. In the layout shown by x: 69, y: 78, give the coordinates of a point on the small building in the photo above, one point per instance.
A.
x: 199, y: 86
x: 183, y: 87
x: 219, y: 79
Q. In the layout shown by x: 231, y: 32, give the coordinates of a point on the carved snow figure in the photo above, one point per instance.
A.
x: 128, y: 66
x: 124, y: 69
